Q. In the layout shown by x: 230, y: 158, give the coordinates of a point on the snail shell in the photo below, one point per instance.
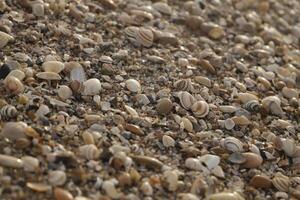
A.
x: 200, y: 109
x: 186, y: 99
x: 89, y: 151
x: 232, y: 144
x: 14, y: 85
x: 8, y: 112
x: 183, y: 85
x: 57, y: 177
x: 252, y: 106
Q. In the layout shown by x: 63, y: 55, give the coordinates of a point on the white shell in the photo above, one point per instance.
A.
x: 186, y: 99
x: 109, y: 187
x: 193, y: 163
x: 57, y: 177
x: 78, y: 73
x: 64, y: 92
x: 218, y: 171
x: 10, y: 161
x: 91, y: 87
x: 210, y: 161
x: 290, y: 93
x: 146, y: 188
x: 131, y: 111
x: 200, y: 109
x: 4, y: 39
x: 144, y: 36
x: 288, y: 146
x: 14, y: 130
x: 43, y: 110
x: 17, y: 73
x: 171, y: 177
x: 232, y: 144
x: 168, y: 141
x: 53, y: 66
x: 30, y: 163
x: 89, y: 151
x: 272, y: 104
x: 48, y: 76
x: 133, y: 85
x: 229, y: 124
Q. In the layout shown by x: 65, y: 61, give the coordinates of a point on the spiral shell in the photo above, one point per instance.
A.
x: 183, y: 85
x: 272, y: 105
x: 14, y: 85
x: 186, y: 99
x: 200, y: 109
x: 89, y: 151
x: 7, y: 112
x: 232, y: 144
x: 281, y: 182
x: 252, y: 106
x: 57, y: 177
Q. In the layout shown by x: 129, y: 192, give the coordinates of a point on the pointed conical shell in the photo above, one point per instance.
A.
x: 53, y: 66
x: 232, y: 144
x: 91, y: 87
x: 200, y: 109
x: 186, y: 99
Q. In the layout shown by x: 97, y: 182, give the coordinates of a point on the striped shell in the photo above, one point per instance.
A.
x: 89, y: 151
x: 232, y: 144
x: 57, y: 177
x: 131, y: 31
x: 200, y: 109
x: 183, y: 85
x: 252, y: 106
x: 281, y: 182
x: 272, y: 105
x: 144, y: 37
x: 186, y: 99
x: 8, y: 112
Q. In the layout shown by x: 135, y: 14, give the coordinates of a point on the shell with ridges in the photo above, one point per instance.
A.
x: 200, y: 109
x: 145, y: 37
x: 8, y: 112
x: 183, y: 85
x: 281, y: 182
x: 53, y: 66
x: 252, y: 106
x: 89, y: 151
x: 186, y: 99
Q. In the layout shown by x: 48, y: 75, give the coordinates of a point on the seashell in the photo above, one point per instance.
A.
x: 57, y: 178
x: 145, y: 37
x: 16, y: 73
x: 10, y: 161
x: 252, y: 160
x: 245, y: 97
x: 164, y: 106
x: 210, y: 161
x: 237, y: 158
x: 133, y: 85
x: 261, y: 181
x: 171, y: 178
x: 218, y: 172
x: 134, y: 129
x: 232, y: 144
x: 228, y: 109
x: 206, y: 65
x: 162, y: 8
x: 193, y: 163
x: 226, y: 196
x: 48, y: 76
x: 290, y: 93
x: 64, y: 92
x: 149, y: 162
x: 155, y: 59
x: 186, y: 124
x: 216, y: 32
x: 43, y: 110
x: 88, y: 138
x: 91, y: 87
x: 38, y: 187
x: 186, y: 99
x: 38, y: 9
x: 30, y: 163
x: 77, y: 73
x: 14, y: 130
x: 14, y: 85
x: 254, y: 149
x: 61, y: 194
x: 203, y: 81
x: 131, y: 111
x: 168, y: 141
x: 183, y: 85
x: 89, y: 151
x: 200, y: 109
x: 241, y: 120
x: 109, y: 187
x: 4, y: 39
x: 131, y: 31
x: 252, y: 106
x: 281, y: 182
x: 289, y: 147
x: 53, y: 66
x: 106, y: 59
x: 187, y: 196
x: 146, y: 188
x: 229, y: 124
x: 272, y: 105
x: 8, y: 112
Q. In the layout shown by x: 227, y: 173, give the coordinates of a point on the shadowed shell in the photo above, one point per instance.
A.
x: 16, y: 73
x: 8, y: 112
x: 145, y: 37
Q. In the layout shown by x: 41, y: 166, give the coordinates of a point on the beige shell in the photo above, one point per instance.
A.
x: 281, y: 182
x: 109, y: 187
x: 252, y: 160
x: 162, y: 8
x: 187, y: 196
x: 288, y: 146
x: 38, y: 187
x: 146, y: 188
x: 14, y: 85
x: 4, y: 39
x: 10, y: 161
x: 89, y: 151
x: 193, y: 163
x: 145, y: 37
x: 203, y: 81
x: 186, y: 99
x: 183, y: 85
x: 53, y: 66
x: 106, y: 59
x: 171, y: 178
x: 14, y: 130
x: 229, y: 124
x: 164, y: 106
x: 61, y: 194
x: 216, y: 32
x: 30, y: 163
x: 8, y: 112
x: 226, y: 196
x: 16, y: 73
x: 91, y: 87
x: 228, y: 109
x: 88, y: 138
x: 272, y: 105
x: 245, y: 97
x: 290, y: 92
x: 200, y: 109
x: 64, y: 92
x: 48, y: 76
x: 77, y: 72
x: 241, y: 120
x: 210, y: 161
x: 218, y: 172
x: 131, y: 111
x: 133, y: 85
x: 168, y: 141
x: 232, y: 144
x: 57, y: 178
x: 131, y: 31
x: 186, y: 124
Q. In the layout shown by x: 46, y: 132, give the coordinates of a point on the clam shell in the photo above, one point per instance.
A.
x: 16, y: 73
x: 232, y: 144
x: 290, y: 92
x: 187, y: 124
x: 288, y: 146
x: 4, y: 39
x: 200, y: 109
x: 64, y: 92
x: 193, y: 163
x: 53, y: 66
x: 252, y: 106
x: 14, y: 130
x: 88, y: 138
x: 218, y: 172
x: 77, y: 73
x: 281, y: 182
x: 260, y: 181
x: 168, y: 141
x: 30, y: 163
x: 10, y: 161
x: 229, y: 124
x: 186, y: 99
x: 245, y: 97
x: 203, y: 81
x: 89, y: 151
x: 38, y: 187
x: 133, y: 85
x: 14, y: 85
x: 252, y: 160
x: 106, y: 59
x: 145, y: 37
x: 48, y: 76
x: 164, y: 106
x: 210, y: 161
x: 91, y: 87
x: 241, y: 120
x: 171, y: 178
x: 228, y: 109
x: 131, y: 31
x: 183, y: 85
x: 57, y: 178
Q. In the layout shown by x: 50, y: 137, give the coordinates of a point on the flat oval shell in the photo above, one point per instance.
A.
x: 48, y: 76
x: 164, y: 106
x: 91, y: 87
x: 53, y: 66
x: 133, y: 85
x: 252, y: 160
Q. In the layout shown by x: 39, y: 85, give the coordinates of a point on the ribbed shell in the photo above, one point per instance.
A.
x: 186, y: 99
x: 272, y: 104
x: 145, y: 37
x: 183, y: 85
x: 281, y: 182
x: 89, y: 151
x: 232, y: 144
x: 200, y: 109
x: 7, y: 112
